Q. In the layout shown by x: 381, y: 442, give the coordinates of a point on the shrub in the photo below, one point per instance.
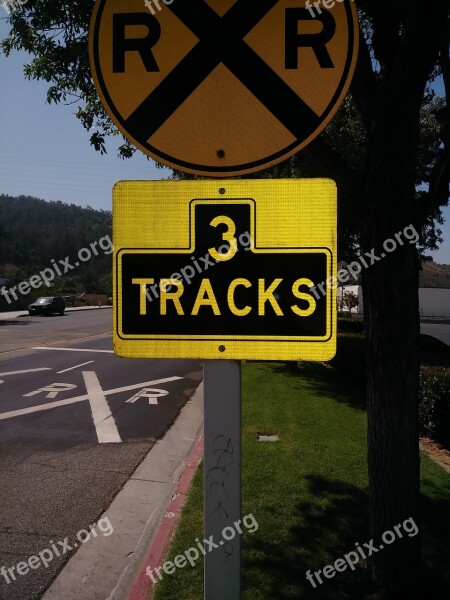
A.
x: 434, y: 403
x: 344, y: 314
x: 350, y: 325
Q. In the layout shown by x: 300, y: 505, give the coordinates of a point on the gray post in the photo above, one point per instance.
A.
x: 222, y: 478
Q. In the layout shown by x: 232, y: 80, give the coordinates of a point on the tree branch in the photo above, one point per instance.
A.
x: 326, y: 162
x: 363, y: 87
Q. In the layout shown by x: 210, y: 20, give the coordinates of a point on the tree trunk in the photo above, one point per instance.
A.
x: 407, y: 43
x: 392, y: 326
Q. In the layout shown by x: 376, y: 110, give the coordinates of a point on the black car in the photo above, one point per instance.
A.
x: 47, y: 305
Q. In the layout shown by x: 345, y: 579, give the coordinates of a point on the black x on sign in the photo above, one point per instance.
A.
x: 222, y: 87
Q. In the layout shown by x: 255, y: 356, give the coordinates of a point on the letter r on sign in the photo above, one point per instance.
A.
x: 143, y: 45
x: 317, y: 41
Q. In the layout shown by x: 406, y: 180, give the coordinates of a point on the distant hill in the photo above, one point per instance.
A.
x: 434, y: 275
x: 33, y: 232
x: 37, y: 231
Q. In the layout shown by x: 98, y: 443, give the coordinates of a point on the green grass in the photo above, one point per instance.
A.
x: 308, y: 491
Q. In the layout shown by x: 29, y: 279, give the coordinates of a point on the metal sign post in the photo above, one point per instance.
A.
x: 222, y: 478
x: 224, y: 270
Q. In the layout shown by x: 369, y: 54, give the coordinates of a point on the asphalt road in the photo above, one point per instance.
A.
x: 26, y: 331
x: 438, y: 330
x: 75, y: 422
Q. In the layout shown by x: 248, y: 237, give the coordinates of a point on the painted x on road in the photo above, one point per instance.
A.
x: 103, y: 419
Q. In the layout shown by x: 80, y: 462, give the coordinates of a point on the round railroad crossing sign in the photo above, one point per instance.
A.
x: 222, y: 87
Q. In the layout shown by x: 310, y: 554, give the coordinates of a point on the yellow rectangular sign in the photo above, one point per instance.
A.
x: 225, y: 269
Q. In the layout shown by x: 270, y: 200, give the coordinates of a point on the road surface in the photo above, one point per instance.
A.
x: 437, y: 330
x: 75, y: 422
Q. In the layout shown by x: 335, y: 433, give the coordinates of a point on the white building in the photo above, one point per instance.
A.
x: 354, y: 289
x: 433, y: 302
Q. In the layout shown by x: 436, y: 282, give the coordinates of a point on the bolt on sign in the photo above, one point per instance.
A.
x: 231, y: 269
x: 222, y: 87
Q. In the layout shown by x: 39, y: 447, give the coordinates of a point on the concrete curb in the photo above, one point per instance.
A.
x: 108, y: 568
x: 144, y: 586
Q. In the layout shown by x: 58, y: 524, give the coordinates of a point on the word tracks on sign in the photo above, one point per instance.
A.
x: 222, y: 87
x: 225, y: 269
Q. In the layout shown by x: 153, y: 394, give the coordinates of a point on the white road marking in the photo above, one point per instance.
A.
x: 26, y: 371
x: 49, y: 405
x: 53, y: 389
x: 71, y: 349
x: 76, y: 366
x: 152, y: 394
x: 104, y: 422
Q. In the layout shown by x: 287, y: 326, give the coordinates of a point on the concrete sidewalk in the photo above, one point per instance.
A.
x: 107, y: 567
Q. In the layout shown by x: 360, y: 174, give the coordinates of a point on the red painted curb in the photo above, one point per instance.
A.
x: 143, y: 587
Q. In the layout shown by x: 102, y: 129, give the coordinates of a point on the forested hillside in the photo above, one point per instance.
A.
x: 35, y: 232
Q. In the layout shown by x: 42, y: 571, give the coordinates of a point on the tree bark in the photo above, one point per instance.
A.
x: 390, y: 290
x: 392, y: 325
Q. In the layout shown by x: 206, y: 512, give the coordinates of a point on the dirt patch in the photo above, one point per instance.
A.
x: 436, y: 452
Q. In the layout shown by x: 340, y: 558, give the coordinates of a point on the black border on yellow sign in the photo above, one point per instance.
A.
x: 216, y: 338
x: 189, y: 249
x: 285, y: 214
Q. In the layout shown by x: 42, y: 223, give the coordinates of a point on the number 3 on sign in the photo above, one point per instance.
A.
x: 227, y: 236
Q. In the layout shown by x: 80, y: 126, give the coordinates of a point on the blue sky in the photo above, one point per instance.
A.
x: 45, y: 152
